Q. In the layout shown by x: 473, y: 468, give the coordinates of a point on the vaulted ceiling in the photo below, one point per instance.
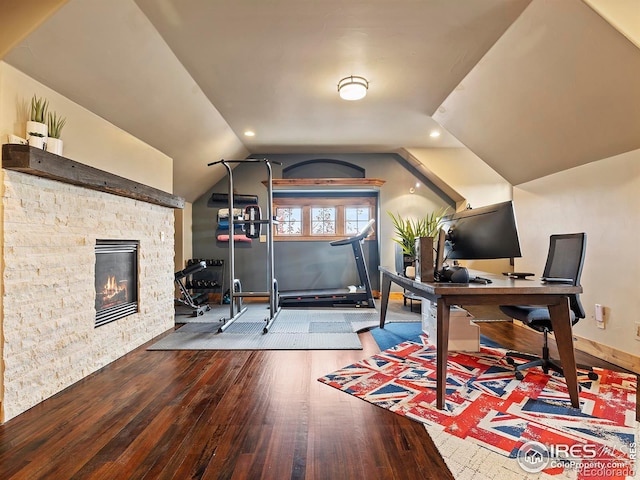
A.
x: 532, y: 87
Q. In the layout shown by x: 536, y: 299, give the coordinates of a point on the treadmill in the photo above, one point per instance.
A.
x: 360, y: 296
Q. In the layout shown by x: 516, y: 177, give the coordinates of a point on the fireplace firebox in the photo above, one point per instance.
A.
x: 116, y: 280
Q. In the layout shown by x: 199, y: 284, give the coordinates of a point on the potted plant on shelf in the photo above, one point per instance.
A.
x: 408, y: 230
x: 36, y: 127
x: 55, y: 124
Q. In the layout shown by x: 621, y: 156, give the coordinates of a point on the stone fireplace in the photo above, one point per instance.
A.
x: 50, y: 276
x: 116, y: 280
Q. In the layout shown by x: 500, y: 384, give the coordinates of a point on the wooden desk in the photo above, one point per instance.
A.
x: 503, y: 291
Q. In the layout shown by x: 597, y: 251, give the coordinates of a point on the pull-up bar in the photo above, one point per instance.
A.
x: 244, y: 160
x: 235, y: 289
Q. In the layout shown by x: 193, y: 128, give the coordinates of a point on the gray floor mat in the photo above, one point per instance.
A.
x: 293, y: 329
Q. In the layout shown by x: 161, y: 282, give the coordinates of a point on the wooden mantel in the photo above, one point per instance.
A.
x: 34, y: 161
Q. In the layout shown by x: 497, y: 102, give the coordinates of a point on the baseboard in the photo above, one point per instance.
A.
x: 609, y: 354
x: 625, y: 360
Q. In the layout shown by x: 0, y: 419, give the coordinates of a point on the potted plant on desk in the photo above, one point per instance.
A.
x: 408, y: 231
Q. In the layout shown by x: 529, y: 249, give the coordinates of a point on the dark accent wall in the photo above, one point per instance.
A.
x: 323, y: 168
x: 307, y: 265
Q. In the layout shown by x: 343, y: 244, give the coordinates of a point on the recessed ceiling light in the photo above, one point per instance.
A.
x: 353, y: 87
x: 434, y: 133
x: 249, y: 133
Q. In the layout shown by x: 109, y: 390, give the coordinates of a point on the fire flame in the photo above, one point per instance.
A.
x: 111, y: 286
x: 113, y: 292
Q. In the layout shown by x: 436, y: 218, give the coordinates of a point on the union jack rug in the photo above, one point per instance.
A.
x: 487, y: 405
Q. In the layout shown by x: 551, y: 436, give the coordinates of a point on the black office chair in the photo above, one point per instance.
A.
x: 564, y: 261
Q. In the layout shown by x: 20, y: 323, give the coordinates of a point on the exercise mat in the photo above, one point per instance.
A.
x: 293, y: 329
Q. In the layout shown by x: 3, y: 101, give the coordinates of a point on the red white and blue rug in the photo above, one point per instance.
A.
x: 488, y: 406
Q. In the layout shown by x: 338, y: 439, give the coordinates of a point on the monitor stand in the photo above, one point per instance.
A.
x: 439, y: 268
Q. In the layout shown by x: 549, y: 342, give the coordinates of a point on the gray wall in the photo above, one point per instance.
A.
x: 306, y: 265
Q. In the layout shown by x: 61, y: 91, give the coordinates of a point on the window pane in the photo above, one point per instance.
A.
x: 355, y: 219
x: 290, y: 221
x: 323, y: 221
x: 316, y: 218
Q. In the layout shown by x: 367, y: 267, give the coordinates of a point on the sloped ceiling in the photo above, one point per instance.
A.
x: 21, y: 17
x: 532, y: 87
x: 108, y: 57
x: 560, y: 89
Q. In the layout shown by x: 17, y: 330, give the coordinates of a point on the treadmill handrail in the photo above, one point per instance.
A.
x: 362, y: 234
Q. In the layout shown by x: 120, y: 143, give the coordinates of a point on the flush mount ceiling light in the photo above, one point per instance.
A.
x: 353, y: 87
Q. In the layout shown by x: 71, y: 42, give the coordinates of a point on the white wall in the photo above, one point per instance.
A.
x: 184, y: 235
x: 476, y: 181
x: 466, y: 173
x: 602, y: 200
x: 87, y: 138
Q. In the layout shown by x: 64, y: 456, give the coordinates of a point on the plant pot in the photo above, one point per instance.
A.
x: 37, y: 141
x: 37, y: 129
x: 54, y: 145
x: 410, y: 272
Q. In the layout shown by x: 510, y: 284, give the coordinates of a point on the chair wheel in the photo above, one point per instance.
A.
x: 519, y: 376
x: 510, y: 361
x: 592, y: 376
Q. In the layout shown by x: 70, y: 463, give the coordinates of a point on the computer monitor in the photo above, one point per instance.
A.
x: 481, y: 233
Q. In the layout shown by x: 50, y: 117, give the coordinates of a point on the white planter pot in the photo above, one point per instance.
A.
x: 37, y: 129
x: 54, y: 145
x: 37, y: 142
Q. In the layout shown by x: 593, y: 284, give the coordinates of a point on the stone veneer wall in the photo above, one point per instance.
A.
x: 50, y: 229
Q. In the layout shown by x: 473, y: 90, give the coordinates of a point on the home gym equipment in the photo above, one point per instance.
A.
x: 251, y: 217
x: 245, y: 221
x: 354, y: 296
x: 223, y: 198
x: 203, y: 283
x: 251, y: 222
x: 223, y: 217
x: 186, y: 299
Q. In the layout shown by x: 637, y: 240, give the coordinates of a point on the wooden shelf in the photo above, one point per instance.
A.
x: 34, y: 161
x: 327, y: 182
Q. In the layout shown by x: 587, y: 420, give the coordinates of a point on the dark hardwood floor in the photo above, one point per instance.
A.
x: 222, y: 414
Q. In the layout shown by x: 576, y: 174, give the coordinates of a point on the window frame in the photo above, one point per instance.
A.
x: 306, y: 202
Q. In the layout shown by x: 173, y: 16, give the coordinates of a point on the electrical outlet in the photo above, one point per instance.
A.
x: 599, y: 316
x: 637, y: 325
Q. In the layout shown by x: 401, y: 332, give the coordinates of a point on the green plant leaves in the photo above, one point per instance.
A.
x: 39, y: 108
x: 39, y: 113
x: 409, y: 229
x: 55, y: 124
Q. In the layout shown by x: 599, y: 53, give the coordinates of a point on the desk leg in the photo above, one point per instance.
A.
x: 442, y: 348
x: 637, y: 398
x: 562, y: 330
x: 384, y: 301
